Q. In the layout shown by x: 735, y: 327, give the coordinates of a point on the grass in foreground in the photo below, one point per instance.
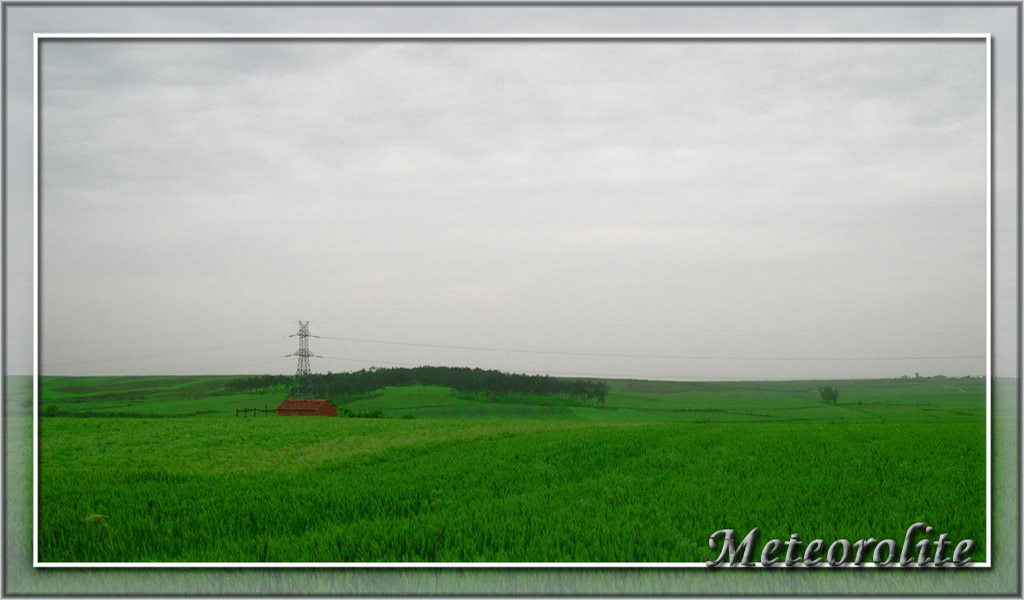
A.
x: 470, y: 490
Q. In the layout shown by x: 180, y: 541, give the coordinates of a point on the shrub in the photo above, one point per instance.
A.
x: 364, y: 414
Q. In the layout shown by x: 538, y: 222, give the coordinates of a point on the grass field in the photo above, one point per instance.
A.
x: 647, y: 478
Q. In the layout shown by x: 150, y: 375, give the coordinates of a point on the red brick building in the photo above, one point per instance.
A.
x: 307, y: 408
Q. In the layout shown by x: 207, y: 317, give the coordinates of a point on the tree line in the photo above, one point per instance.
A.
x: 337, y: 386
x: 258, y: 383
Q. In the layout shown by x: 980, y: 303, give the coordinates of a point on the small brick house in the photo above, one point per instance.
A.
x: 307, y: 408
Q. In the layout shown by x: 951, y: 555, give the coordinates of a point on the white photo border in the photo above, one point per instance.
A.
x: 396, y: 37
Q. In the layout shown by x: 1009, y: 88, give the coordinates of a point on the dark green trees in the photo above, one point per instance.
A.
x: 829, y: 394
x: 461, y: 379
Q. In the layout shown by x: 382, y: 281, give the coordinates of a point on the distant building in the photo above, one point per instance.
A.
x: 307, y: 408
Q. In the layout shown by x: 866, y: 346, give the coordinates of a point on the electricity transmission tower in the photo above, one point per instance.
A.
x: 303, y: 352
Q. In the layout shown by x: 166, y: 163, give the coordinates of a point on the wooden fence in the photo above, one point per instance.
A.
x: 245, y: 411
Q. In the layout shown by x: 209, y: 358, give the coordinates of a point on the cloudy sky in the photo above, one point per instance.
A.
x: 674, y: 210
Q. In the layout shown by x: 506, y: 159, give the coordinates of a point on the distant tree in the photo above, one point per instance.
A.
x: 496, y: 386
x: 829, y: 394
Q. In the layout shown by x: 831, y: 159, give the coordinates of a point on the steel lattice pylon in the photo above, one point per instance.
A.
x: 303, y: 352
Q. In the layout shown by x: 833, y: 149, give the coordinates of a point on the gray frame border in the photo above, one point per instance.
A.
x: 4, y: 17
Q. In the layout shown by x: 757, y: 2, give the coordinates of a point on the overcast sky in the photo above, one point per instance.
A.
x: 683, y: 210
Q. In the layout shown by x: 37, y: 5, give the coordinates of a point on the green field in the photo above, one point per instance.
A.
x: 161, y: 469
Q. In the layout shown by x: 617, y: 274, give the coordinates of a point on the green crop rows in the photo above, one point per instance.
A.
x: 647, y: 478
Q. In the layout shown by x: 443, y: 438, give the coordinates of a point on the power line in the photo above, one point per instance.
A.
x: 374, y: 362
x: 648, y: 356
x: 231, y: 346
x: 304, y: 354
x: 228, y: 364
